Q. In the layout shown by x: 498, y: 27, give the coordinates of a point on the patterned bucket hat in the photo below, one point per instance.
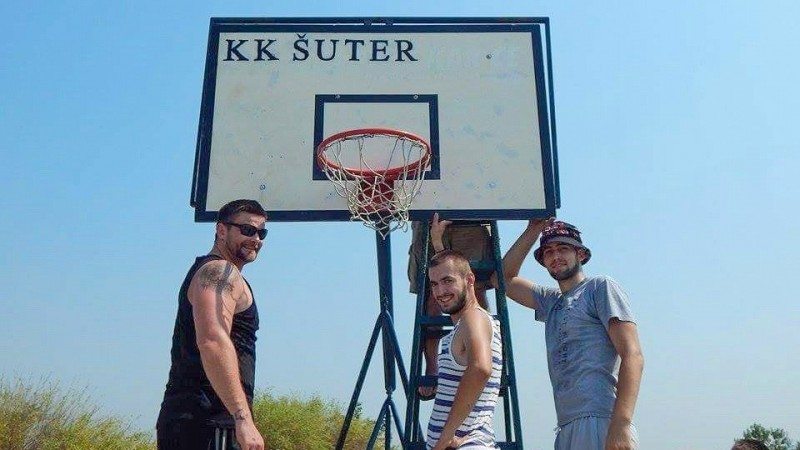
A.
x: 560, y: 231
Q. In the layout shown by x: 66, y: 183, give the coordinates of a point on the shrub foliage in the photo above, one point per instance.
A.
x: 292, y: 423
x: 41, y: 417
x: 45, y: 417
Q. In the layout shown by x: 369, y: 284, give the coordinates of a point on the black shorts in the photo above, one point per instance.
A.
x: 185, y: 435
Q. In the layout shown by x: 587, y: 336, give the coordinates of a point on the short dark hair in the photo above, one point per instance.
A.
x: 230, y: 209
x: 461, y: 262
x: 749, y: 444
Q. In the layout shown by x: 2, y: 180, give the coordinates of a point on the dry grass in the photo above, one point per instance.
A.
x: 293, y: 423
x: 40, y: 417
x: 45, y: 417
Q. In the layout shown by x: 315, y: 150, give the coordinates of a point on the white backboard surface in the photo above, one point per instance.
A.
x: 477, y: 91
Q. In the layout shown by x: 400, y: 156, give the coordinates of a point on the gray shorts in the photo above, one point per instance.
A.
x: 587, y: 433
x: 474, y: 241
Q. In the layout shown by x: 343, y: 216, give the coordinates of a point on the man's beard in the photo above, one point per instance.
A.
x: 567, y: 273
x: 459, y: 304
x: 244, y: 254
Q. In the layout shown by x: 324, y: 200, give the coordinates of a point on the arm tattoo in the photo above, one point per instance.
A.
x: 212, y: 275
x: 221, y: 279
x: 239, y: 415
x: 218, y: 278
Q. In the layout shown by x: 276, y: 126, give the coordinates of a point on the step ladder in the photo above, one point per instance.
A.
x: 438, y: 326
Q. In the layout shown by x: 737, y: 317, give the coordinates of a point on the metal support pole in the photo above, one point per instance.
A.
x: 413, y: 428
x: 384, y: 249
x: 383, y: 246
x: 359, y: 384
x: 392, y: 358
x: 505, y: 332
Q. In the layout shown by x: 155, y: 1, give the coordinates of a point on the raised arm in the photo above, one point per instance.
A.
x: 625, y: 338
x: 517, y: 288
x: 437, y: 232
x: 213, y: 294
x: 476, y: 332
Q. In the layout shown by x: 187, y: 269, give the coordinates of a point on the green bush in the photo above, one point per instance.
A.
x: 773, y: 438
x: 42, y: 418
x: 292, y: 423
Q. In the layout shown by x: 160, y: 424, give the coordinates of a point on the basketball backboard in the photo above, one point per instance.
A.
x: 478, y: 90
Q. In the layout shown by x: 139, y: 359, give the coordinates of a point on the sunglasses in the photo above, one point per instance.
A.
x: 249, y: 230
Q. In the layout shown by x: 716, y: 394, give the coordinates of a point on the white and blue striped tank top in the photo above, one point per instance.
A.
x: 477, y: 427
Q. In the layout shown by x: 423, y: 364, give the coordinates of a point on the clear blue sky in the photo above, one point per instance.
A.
x: 677, y: 128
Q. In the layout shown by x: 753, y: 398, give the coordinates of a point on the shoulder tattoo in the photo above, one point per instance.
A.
x: 218, y: 277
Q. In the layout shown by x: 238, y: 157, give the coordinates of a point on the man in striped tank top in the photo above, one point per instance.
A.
x: 470, y: 361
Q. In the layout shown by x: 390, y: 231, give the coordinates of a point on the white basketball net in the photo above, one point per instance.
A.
x: 378, y: 174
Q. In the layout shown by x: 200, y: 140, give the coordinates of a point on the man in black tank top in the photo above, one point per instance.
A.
x: 209, y: 396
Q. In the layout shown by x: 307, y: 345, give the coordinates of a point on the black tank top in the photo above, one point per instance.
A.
x: 189, y: 395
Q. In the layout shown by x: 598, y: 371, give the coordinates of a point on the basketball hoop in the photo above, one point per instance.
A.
x: 378, y: 171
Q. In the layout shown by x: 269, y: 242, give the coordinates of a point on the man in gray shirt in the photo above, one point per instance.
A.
x: 593, y: 351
